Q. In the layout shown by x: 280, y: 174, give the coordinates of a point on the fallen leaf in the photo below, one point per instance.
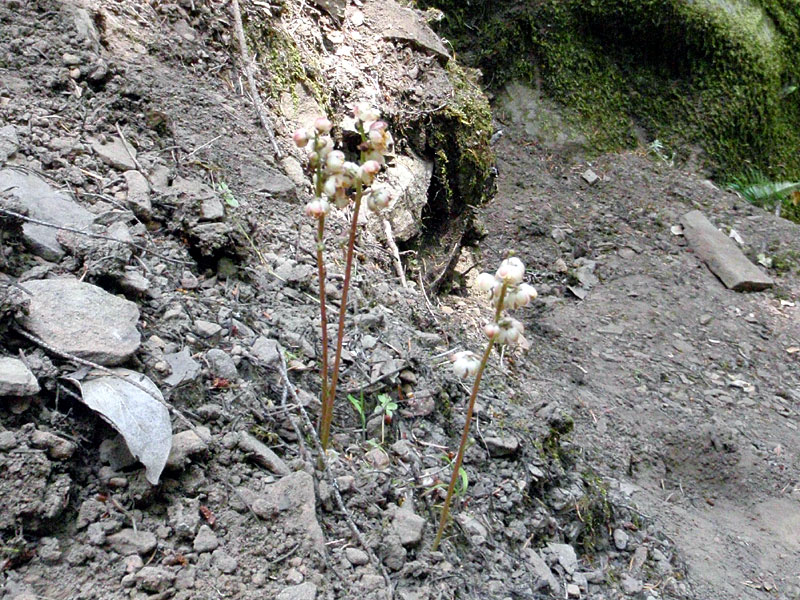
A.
x: 140, y: 417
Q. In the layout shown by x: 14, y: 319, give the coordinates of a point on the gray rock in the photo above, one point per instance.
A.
x: 187, y: 443
x: 8, y: 440
x: 409, y: 179
x: 224, y: 561
x: 590, y: 177
x: 90, y: 511
x: 57, y: 448
x: 205, y: 540
x: 82, y: 319
x: 221, y: 364
x: 356, y: 556
x: 721, y: 255
x: 9, y: 143
x: 405, y: 25
x: 206, y: 329
x: 271, y: 182
x: 304, y: 591
x: 41, y: 201
x: 16, y: 379
x: 134, y: 282
x: 265, y: 351
x: 154, y: 579
x: 184, y: 368
x: 502, y: 446
x: 543, y: 573
x: 409, y: 527
x: 49, y: 551
x: 565, y: 555
x: 116, y: 154
x: 115, y: 453
x: 128, y: 541
x: 291, y: 499
x: 261, y: 455
x: 472, y: 527
x: 211, y: 209
x: 620, y: 539
x: 138, y: 194
x: 184, y: 517
x: 189, y: 280
x: 378, y: 458
x: 96, y: 534
x: 630, y: 586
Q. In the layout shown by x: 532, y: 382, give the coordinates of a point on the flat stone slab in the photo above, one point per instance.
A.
x: 116, y: 153
x: 721, y: 255
x: 405, y: 25
x: 82, y: 319
x: 16, y: 378
x: 45, y: 203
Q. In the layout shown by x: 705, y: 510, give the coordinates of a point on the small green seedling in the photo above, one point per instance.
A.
x: 358, y: 404
x: 386, y: 407
x: 227, y: 195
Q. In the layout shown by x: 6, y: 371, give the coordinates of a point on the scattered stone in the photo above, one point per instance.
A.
x: 211, y: 209
x: 138, y: 194
x: 378, y: 458
x: 41, y: 201
x: 272, y: 182
x: 304, y: 591
x: 291, y: 498
x: 187, y: 443
x: 116, y: 154
x: 590, y: 177
x: 573, y: 591
x: 8, y: 440
x: 639, y: 558
x: 500, y: 447
x: 128, y: 541
x: 224, y: 561
x: 620, y: 539
x: 154, y: 579
x: 57, y: 448
x: 721, y: 255
x: 90, y: 511
x: 356, y: 556
x: 473, y: 527
x: 9, y: 143
x: 206, y: 540
x: 261, y: 455
x: 206, y: 329
x: 134, y: 282
x: 585, y: 274
x: 189, y: 281
x: 558, y: 235
x: 82, y: 319
x: 265, y: 351
x: 96, y: 534
x: 631, y: 586
x: 565, y: 555
x: 409, y: 527
x: 16, y: 379
x: 184, y: 517
x: 184, y: 368
x: 49, y: 551
x: 543, y: 572
x: 221, y: 364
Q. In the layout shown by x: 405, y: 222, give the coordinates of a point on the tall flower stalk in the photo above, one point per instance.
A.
x: 339, y: 181
x: 507, y: 292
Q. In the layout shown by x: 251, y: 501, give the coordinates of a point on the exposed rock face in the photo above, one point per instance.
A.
x: 16, y: 378
x: 82, y: 319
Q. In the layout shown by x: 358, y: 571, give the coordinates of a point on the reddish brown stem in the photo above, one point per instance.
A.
x: 465, y: 435
x: 323, y: 314
x: 327, y: 416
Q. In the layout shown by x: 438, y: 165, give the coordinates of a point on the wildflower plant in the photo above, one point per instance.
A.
x: 507, y: 291
x: 339, y: 182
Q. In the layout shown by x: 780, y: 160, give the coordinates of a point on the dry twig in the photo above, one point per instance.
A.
x: 398, y: 265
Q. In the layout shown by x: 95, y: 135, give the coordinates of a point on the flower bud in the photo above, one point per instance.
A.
x: 511, y: 271
x: 352, y: 170
x: 368, y: 171
x: 335, y: 161
x: 378, y: 199
x: 491, y: 330
x: 323, y: 125
x: 465, y: 364
x: 364, y: 112
x: 486, y: 282
x: 300, y: 138
x: 317, y: 208
x: 329, y: 188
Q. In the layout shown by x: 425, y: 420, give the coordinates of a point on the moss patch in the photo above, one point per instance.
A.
x: 717, y: 73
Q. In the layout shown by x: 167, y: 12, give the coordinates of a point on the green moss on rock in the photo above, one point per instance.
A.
x: 717, y: 73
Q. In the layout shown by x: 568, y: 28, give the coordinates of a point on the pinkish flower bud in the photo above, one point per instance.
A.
x: 300, y: 138
x: 323, y: 125
x: 491, y: 330
x: 364, y: 112
x: 465, y: 364
x: 486, y: 282
x: 335, y: 161
x: 378, y: 199
x: 317, y: 208
x: 511, y: 271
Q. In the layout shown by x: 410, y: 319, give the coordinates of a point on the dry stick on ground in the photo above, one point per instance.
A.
x: 248, y: 71
x: 98, y: 236
x: 387, y: 229
x: 312, y: 432
x: 106, y: 371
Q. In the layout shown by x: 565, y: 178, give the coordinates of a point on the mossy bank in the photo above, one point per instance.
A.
x: 719, y: 74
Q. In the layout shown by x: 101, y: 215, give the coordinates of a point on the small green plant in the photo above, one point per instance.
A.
x: 341, y: 182
x: 227, y: 195
x: 507, y: 292
x: 761, y: 191
x: 386, y: 407
x: 659, y: 150
x: 358, y: 404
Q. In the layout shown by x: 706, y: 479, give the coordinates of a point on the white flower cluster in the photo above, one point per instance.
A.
x: 508, y: 278
x: 465, y: 364
x: 335, y: 177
